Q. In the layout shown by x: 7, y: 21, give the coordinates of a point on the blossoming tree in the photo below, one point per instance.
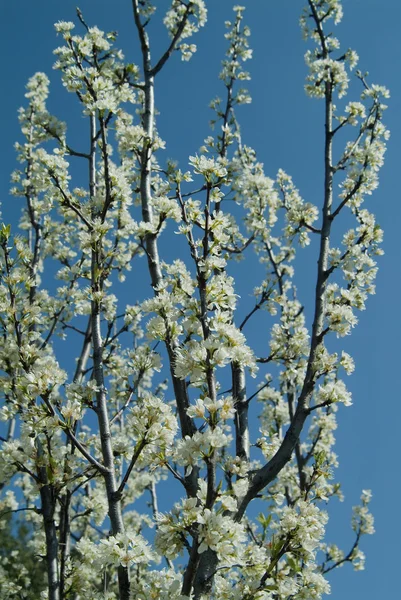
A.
x: 87, y: 453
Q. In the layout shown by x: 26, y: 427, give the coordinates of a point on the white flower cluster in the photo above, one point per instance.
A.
x: 238, y: 52
x: 195, y: 15
x: 324, y: 71
x: 191, y: 450
x: 362, y: 519
x: 221, y: 534
x: 364, y: 159
x: 325, y: 9
x: 123, y: 549
x: 222, y: 409
x: 158, y: 585
x: 211, y: 169
x: 152, y: 422
x: 304, y: 526
x: 213, y: 529
x: 258, y: 194
x: 333, y: 391
x: 299, y: 214
x: 93, y: 70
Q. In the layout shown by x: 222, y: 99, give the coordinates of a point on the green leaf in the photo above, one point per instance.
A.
x: 5, y: 232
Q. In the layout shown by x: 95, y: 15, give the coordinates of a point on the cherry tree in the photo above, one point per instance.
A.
x: 139, y: 470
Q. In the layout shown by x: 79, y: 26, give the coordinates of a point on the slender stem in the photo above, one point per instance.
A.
x: 65, y: 510
x: 109, y: 198
x: 270, y: 470
x: 346, y: 558
x: 242, y: 443
x: 67, y: 201
x: 173, y: 44
x: 155, y: 510
x: 298, y: 454
x: 109, y: 474
x: 151, y: 246
x: 69, y: 432
x: 137, y: 452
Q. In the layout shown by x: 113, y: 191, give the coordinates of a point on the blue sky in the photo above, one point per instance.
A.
x: 285, y: 127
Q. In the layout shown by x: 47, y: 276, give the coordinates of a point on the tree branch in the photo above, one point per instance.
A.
x: 164, y: 58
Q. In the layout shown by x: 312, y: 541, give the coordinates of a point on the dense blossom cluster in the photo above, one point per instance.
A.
x: 160, y: 397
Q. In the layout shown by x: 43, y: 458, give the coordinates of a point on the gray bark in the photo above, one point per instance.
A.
x: 203, y: 581
x: 48, y: 503
x: 242, y: 443
x: 113, y: 499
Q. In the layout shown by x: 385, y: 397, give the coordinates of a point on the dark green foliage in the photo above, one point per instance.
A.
x: 19, y: 565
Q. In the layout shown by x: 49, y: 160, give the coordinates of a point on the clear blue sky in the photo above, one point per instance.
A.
x: 286, y: 129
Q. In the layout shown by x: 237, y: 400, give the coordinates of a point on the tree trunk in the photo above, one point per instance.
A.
x: 48, y: 503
